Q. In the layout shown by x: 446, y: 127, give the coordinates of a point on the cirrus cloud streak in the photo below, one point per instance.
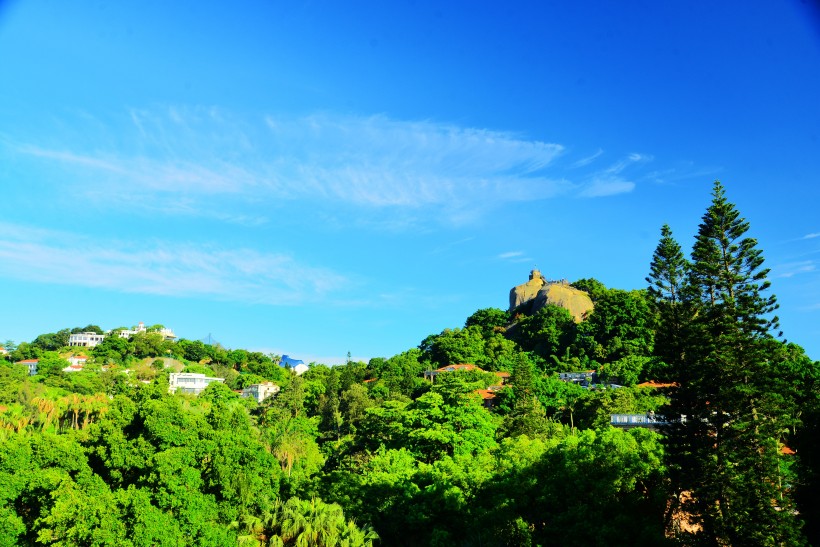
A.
x: 156, y: 268
x: 177, y: 160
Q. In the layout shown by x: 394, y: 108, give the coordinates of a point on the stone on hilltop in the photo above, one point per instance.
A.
x: 538, y: 292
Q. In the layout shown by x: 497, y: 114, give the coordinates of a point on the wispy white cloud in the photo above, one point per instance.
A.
x: 622, y: 164
x: 511, y: 254
x: 153, y: 267
x: 516, y: 257
x: 583, y: 162
x: 206, y: 162
x: 610, y: 181
x: 602, y: 187
x: 684, y: 171
x: 811, y: 236
x: 794, y: 268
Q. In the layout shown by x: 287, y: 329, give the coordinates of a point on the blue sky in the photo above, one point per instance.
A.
x: 327, y: 177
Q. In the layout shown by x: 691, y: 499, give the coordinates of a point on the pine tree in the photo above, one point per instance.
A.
x: 668, y: 269
x: 667, y: 278
x: 726, y: 452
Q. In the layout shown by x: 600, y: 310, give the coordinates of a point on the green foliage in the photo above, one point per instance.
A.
x: 149, y: 344
x: 217, y: 392
x: 620, y: 325
x: 312, y: 522
x: 612, y: 479
x: 454, y: 346
x: 559, y: 399
x: 400, y: 374
x: 12, y: 378
x: 51, y: 364
x: 430, y: 428
x: 52, y: 341
x: 261, y: 365
x: 244, y: 380
x: 112, y: 349
x: 626, y: 371
x: 88, y: 328
x: 550, y: 331
x: 354, y: 401
x: 193, y: 350
x: 594, y: 288
x: 489, y: 320
x: 198, y: 369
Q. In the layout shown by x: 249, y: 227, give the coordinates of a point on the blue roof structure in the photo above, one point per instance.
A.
x: 287, y: 361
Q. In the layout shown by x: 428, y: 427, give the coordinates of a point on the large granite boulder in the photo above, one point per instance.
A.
x: 526, y: 292
x: 538, y: 292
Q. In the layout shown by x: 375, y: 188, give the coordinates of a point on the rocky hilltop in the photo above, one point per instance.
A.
x: 538, y: 292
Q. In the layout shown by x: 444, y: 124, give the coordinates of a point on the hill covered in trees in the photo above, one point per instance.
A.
x: 401, y: 451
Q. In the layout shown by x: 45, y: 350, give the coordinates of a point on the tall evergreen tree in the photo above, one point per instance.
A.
x: 667, y: 281
x: 667, y: 272
x: 726, y: 452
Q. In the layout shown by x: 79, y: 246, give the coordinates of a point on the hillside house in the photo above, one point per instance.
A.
x: 189, y: 382
x: 488, y: 395
x: 504, y: 376
x: 31, y: 364
x: 260, y: 392
x: 296, y: 365
x: 583, y: 377
x: 167, y: 334
x: 85, y: 339
x: 75, y: 363
x: 80, y: 360
x: 648, y: 420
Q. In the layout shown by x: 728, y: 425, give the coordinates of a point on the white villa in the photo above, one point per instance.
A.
x: 260, y: 392
x: 168, y: 334
x: 85, y: 339
x: 31, y: 364
x: 75, y: 363
x: 189, y: 382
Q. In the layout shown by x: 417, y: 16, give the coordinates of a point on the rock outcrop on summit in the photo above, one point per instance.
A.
x: 538, y: 292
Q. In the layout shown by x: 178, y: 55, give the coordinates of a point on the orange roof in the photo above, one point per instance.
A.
x: 502, y: 374
x: 29, y: 361
x: 787, y: 451
x: 485, y: 394
x: 370, y: 380
x: 654, y: 384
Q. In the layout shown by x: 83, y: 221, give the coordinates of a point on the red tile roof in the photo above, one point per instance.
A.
x: 485, y: 394
x: 787, y: 451
x: 488, y: 393
x: 654, y: 384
